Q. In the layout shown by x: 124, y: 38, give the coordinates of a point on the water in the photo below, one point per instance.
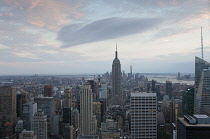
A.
x: 172, y: 78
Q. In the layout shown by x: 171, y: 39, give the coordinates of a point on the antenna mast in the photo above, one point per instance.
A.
x: 201, y: 43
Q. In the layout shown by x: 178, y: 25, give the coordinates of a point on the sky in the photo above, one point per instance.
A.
x: 80, y: 36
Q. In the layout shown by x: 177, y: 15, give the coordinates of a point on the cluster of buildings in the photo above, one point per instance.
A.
x: 110, y: 106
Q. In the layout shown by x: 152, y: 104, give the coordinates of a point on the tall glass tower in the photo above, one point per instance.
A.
x: 116, y: 80
x: 202, y: 85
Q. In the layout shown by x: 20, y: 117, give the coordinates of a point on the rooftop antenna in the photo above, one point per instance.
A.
x: 201, y: 43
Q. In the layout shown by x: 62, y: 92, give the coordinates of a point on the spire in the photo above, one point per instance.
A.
x: 116, y: 52
x: 201, y: 43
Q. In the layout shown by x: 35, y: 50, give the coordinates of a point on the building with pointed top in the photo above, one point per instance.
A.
x: 116, y: 80
x: 202, y: 85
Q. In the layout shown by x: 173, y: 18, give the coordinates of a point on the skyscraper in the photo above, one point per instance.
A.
x: 202, y: 83
x: 200, y: 64
x: 48, y: 90
x: 67, y: 98
x: 143, y: 115
x: 39, y: 124
x: 169, y: 89
x: 47, y: 104
x: 88, y: 122
x: 29, y: 109
x: 7, y: 110
x: 116, y: 80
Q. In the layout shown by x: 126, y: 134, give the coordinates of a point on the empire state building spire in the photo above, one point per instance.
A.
x: 116, y: 52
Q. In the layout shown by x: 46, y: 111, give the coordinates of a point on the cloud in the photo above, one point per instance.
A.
x: 105, y: 29
x: 48, y: 14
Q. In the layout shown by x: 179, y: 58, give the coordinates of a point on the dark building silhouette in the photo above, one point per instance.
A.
x: 48, y: 91
x: 188, y: 102
x: 169, y: 89
x: 116, y: 80
x: 8, y: 114
x: 193, y: 127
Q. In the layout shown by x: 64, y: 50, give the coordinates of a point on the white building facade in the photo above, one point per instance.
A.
x: 143, y: 115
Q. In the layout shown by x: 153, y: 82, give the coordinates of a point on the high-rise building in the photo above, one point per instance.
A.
x: 97, y: 112
x: 39, y: 124
x: 169, y: 89
x: 67, y: 98
x: 67, y: 115
x: 94, y: 87
x: 143, y: 115
x: 88, y: 122
x: 116, y: 80
x: 200, y: 64
x: 193, y: 127
x: 21, y: 98
x: 188, y: 102
x: 103, y: 91
x: 29, y: 109
x: 153, y: 86
x: 202, y: 97
x: 8, y: 114
x: 48, y: 90
x: 157, y: 90
x: 47, y: 104
x: 202, y: 83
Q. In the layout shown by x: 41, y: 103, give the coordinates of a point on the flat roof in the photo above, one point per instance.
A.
x: 200, y: 116
x: 135, y: 94
x: 193, y: 125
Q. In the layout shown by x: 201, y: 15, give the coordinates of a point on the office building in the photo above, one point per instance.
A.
x: 97, y: 112
x: 116, y: 81
x: 169, y: 88
x: 46, y: 104
x: 202, y: 97
x: 200, y: 65
x: 202, y: 83
x: 67, y: 115
x: 153, y: 85
x: 22, y: 97
x: 18, y: 128
x: 103, y: 91
x: 193, y: 127
x: 48, y: 90
x: 39, y: 124
x: 188, y: 102
x: 29, y: 109
x: 67, y: 98
x: 88, y: 122
x: 8, y: 114
x: 143, y: 115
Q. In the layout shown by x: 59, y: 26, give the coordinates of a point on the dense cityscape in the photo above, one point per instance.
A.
x: 104, y: 69
x: 113, y: 105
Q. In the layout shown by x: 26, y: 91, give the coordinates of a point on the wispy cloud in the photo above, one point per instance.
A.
x: 105, y: 29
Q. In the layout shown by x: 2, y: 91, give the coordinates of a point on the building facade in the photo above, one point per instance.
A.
x: 8, y: 114
x: 46, y: 104
x: 143, y: 115
x: 88, y: 122
x: 29, y: 109
x: 202, y: 85
x: 39, y: 124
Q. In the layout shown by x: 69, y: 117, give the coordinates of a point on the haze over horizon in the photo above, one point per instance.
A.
x: 70, y: 36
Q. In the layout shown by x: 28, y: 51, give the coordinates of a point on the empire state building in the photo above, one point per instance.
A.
x: 116, y: 80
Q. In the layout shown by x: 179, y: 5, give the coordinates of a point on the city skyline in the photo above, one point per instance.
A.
x: 73, y: 37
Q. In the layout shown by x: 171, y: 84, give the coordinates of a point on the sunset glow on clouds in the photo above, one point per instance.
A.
x: 71, y: 36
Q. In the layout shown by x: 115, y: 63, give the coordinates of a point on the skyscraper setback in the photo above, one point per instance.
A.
x: 116, y: 80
